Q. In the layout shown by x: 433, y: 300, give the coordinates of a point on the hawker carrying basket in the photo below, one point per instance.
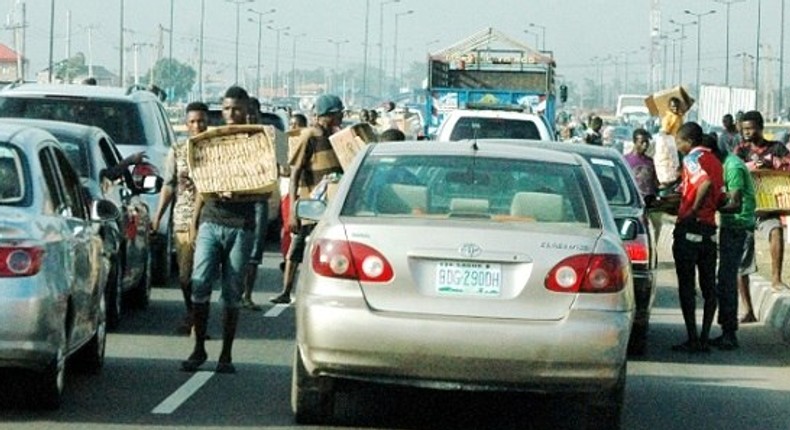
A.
x: 772, y: 191
x: 240, y: 159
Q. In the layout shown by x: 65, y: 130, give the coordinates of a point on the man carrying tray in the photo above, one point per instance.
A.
x: 228, y: 247
x: 760, y: 154
x: 313, y: 159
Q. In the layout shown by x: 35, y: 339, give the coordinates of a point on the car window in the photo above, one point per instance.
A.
x: 168, y: 136
x: 72, y: 186
x: 470, y: 187
x: 12, y: 177
x: 614, y: 181
x: 77, y: 154
x: 494, y: 128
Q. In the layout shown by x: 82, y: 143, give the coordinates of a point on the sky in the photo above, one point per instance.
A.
x: 576, y: 31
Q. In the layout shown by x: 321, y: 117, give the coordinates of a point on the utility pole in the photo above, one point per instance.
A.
x: 121, y: 74
x: 728, y: 3
x: 18, y: 28
x: 365, y: 56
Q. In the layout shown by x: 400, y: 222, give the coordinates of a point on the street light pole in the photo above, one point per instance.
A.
x: 381, y: 42
x: 259, y: 21
x: 699, y: 39
x: 292, y: 86
x: 52, y: 37
x: 238, y: 4
x: 365, y: 56
x: 757, y: 60
x: 682, y: 26
x: 542, y: 35
x: 200, y: 60
x: 782, y: 62
x: 536, y: 37
x: 276, y: 79
x: 728, y: 3
x: 336, y: 73
x: 395, y: 45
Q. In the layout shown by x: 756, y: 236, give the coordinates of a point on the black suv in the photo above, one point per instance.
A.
x: 133, y: 117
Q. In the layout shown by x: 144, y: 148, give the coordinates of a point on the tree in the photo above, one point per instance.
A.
x: 67, y: 69
x: 178, y: 84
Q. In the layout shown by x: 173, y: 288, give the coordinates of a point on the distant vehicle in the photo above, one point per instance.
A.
x: 464, y: 266
x: 53, y: 267
x: 134, y: 117
x: 493, y: 124
x: 632, y: 105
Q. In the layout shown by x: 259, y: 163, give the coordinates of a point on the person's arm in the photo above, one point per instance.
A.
x: 193, y: 228
x: 702, y: 192
x: 733, y: 204
x: 261, y: 215
x: 165, y: 198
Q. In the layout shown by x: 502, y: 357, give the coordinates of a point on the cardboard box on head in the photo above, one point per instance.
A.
x: 348, y: 141
x: 658, y: 102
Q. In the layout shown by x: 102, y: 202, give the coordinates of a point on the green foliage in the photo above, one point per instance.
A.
x: 67, y: 69
x: 180, y: 77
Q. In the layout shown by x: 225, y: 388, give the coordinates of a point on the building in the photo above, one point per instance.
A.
x: 9, y: 64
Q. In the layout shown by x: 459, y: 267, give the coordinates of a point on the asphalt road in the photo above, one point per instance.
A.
x: 141, y: 386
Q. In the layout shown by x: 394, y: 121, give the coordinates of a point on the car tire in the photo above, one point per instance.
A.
x: 161, y: 248
x: 50, y: 383
x: 140, y: 296
x: 113, y: 296
x: 605, y: 408
x: 90, y: 357
x: 312, y: 399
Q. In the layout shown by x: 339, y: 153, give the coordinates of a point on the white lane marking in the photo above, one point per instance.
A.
x: 183, y: 393
x: 276, y: 310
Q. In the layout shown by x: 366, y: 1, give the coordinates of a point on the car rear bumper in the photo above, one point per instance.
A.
x: 644, y: 294
x: 340, y: 337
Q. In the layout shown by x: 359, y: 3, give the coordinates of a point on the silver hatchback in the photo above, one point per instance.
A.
x: 473, y: 266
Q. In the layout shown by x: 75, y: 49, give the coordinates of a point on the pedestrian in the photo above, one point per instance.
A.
x: 694, y: 246
x: 392, y: 135
x: 229, y: 246
x: 644, y: 171
x: 297, y: 122
x: 179, y: 186
x: 673, y: 118
x: 729, y: 137
x: 736, y: 247
x: 593, y: 134
x: 761, y: 154
x: 314, y: 159
x: 254, y: 113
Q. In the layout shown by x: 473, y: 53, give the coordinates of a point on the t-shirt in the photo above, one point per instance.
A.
x: 644, y: 172
x: 671, y: 123
x: 770, y: 154
x: 701, y: 165
x: 318, y: 159
x: 728, y: 140
x: 737, y: 177
x: 175, y: 166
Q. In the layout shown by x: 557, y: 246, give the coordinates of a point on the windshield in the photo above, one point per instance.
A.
x: 504, y: 190
x: 614, y: 181
x: 494, y: 128
x: 12, y: 178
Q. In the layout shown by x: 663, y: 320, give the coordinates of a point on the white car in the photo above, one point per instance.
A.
x: 493, y: 124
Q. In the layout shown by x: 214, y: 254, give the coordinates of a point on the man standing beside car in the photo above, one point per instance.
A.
x: 314, y: 158
x: 228, y: 247
x: 694, y: 246
x: 179, y: 186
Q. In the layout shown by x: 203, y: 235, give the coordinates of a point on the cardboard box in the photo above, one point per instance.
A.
x: 658, y: 102
x: 348, y: 141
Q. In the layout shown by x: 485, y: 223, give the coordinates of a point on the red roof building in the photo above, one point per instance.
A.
x: 8, y: 64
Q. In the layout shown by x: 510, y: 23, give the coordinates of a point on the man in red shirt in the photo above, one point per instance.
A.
x: 694, y: 247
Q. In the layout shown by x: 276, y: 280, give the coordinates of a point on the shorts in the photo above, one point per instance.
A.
x: 748, y: 263
x: 766, y: 225
x: 298, y: 243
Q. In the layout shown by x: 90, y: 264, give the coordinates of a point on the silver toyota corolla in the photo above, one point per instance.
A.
x: 473, y: 266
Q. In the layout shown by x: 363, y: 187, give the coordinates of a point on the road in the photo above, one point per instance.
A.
x: 141, y: 386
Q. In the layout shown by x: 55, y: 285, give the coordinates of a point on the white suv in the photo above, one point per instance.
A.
x: 493, y: 124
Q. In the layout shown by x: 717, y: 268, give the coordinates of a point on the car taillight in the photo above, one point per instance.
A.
x: 638, y: 249
x: 20, y: 260
x: 350, y: 260
x: 588, y: 273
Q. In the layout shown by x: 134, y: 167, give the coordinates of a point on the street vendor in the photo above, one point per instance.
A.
x: 761, y: 154
x: 673, y: 118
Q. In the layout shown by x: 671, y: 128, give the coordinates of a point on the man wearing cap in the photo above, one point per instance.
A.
x: 313, y: 159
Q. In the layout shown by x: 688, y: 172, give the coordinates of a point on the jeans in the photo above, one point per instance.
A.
x: 694, y: 250
x: 731, y: 249
x: 221, y: 253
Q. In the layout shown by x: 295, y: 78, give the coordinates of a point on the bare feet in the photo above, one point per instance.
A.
x: 780, y: 286
x: 748, y: 318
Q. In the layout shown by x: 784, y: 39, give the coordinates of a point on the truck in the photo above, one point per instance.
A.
x: 631, y: 108
x: 717, y: 100
x: 489, y: 70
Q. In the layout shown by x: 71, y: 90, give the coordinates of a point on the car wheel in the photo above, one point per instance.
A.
x: 90, y: 358
x: 113, y: 296
x: 50, y: 383
x: 140, y: 296
x: 605, y: 408
x: 312, y: 399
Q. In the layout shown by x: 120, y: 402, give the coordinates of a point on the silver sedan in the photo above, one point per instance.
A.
x: 464, y: 266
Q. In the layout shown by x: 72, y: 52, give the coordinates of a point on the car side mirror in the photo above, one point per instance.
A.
x: 104, y: 210
x: 628, y: 229
x: 311, y: 210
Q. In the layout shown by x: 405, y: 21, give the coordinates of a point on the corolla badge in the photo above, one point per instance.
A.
x: 470, y: 250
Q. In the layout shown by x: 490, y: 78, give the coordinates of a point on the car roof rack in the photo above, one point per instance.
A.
x: 498, y: 106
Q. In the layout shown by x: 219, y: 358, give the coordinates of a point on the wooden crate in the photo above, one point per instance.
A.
x: 772, y: 191
x: 240, y: 159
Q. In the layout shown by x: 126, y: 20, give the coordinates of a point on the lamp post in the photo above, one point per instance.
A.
x: 534, y: 33
x: 200, y: 55
x: 727, y: 4
x: 395, y: 44
x: 276, y: 78
x: 782, y: 62
x: 292, y: 86
x: 365, y: 53
x: 674, y: 57
x: 238, y: 4
x: 748, y: 59
x: 335, y: 75
x: 757, y: 55
x: 52, y: 36
x: 682, y: 26
x: 260, y: 23
x: 699, y: 38
x: 542, y: 35
x: 381, y: 42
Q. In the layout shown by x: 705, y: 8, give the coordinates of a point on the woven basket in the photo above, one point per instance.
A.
x: 239, y: 158
x: 772, y: 191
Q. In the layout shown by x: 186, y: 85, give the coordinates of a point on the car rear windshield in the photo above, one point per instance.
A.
x: 494, y: 128
x: 120, y: 119
x: 12, y: 178
x: 504, y: 190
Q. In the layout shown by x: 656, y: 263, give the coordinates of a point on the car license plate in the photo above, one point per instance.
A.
x: 457, y: 278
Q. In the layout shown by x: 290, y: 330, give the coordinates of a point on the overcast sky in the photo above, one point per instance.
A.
x: 575, y: 30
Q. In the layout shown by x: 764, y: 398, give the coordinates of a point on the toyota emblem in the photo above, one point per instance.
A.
x: 470, y: 250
